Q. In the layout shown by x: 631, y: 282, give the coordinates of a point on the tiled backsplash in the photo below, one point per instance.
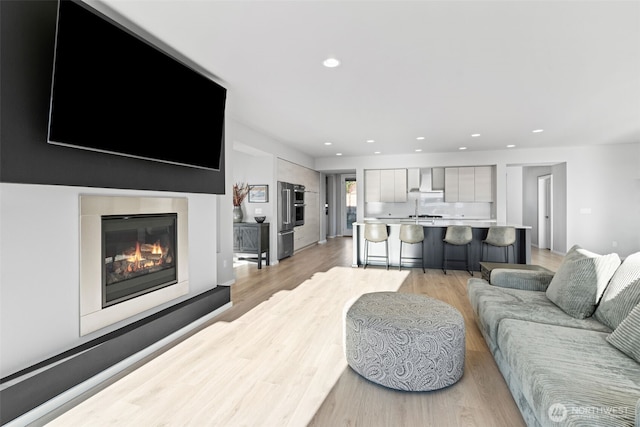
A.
x: 432, y: 204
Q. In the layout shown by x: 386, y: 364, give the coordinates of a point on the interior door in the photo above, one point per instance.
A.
x: 544, y: 212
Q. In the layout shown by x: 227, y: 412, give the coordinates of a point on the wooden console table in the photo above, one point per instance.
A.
x: 486, y: 267
x: 252, y: 238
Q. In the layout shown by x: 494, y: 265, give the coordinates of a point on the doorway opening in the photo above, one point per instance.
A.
x: 350, y: 207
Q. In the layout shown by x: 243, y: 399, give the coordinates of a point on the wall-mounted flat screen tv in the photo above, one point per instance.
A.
x: 116, y: 93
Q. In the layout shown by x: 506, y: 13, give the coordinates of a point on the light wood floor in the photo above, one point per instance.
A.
x: 275, y: 358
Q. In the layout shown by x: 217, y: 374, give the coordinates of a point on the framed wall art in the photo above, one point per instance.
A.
x: 258, y: 193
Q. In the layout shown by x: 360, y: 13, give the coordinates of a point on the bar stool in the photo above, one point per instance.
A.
x: 501, y: 236
x: 457, y: 235
x: 376, y: 233
x: 412, y: 234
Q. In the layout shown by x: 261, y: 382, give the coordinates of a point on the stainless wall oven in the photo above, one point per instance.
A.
x: 298, y: 197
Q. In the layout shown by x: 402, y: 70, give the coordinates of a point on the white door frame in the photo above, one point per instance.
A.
x: 545, y: 212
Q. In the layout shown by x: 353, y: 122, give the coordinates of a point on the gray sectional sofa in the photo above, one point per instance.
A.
x: 569, y: 350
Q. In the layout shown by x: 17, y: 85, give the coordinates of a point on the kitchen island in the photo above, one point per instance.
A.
x: 434, y: 231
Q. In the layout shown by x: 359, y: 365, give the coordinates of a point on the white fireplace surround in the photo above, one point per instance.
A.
x: 92, y: 316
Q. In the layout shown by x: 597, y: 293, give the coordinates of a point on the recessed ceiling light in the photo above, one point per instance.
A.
x: 370, y: 141
x: 331, y: 62
x: 376, y: 152
x: 511, y: 145
x: 328, y: 143
x: 338, y: 154
x: 418, y: 150
x: 462, y: 148
x: 420, y: 138
x: 475, y: 135
x: 537, y: 130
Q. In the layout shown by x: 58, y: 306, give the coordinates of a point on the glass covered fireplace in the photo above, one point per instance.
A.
x: 134, y: 257
x: 139, y: 253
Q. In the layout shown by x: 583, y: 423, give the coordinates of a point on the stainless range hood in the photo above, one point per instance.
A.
x: 429, y: 180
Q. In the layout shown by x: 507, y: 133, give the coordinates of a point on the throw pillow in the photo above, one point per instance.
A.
x: 626, y: 337
x: 581, y: 280
x: 622, y: 294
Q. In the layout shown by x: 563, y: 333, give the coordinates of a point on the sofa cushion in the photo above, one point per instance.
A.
x: 528, y: 280
x: 622, y: 293
x: 626, y: 337
x: 581, y: 280
x: 493, y: 304
x: 570, y: 376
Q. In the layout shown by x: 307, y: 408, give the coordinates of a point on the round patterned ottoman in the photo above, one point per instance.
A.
x: 405, y: 341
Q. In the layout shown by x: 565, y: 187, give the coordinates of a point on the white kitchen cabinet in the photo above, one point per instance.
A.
x: 483, y: 184
x: 466, y: 184
x: 385, y: 185
x: 372, y: 185
x: 400, y: 185
x: 469, y: 184
x: 306, y: 234
x: 451, y: 184
x: 437, y: 179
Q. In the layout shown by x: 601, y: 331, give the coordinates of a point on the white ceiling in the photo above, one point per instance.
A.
x: 439, y: 69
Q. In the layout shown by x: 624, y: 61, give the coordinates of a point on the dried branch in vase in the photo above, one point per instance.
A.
x: 240, y: 191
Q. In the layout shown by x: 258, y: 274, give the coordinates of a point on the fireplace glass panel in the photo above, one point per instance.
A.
x: 139, y: 253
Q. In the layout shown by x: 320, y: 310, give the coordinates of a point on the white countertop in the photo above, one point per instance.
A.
x: 437, y: 222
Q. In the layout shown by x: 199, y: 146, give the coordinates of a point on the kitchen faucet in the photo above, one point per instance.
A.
x: 416, y: 214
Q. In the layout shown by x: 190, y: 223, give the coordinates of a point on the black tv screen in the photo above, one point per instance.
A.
x: 114, y: 92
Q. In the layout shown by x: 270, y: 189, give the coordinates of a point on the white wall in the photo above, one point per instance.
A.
x: 241, y: 135
x: 514, y: 195
x: 603, y: 178
x: 603, y: 202
x: 39, y: 272
x: 255, y: 170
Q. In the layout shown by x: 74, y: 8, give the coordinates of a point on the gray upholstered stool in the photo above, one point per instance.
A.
x: 412, y: 234
x: 376, y: 233
x: 405, y: 341
x: 501, y: 236
x: 457, y: 235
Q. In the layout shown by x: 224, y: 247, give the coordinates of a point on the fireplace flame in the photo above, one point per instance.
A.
x: 135, y: 259
x: 133, y: 255
x: 157, y: 249
x: 153, y: 256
